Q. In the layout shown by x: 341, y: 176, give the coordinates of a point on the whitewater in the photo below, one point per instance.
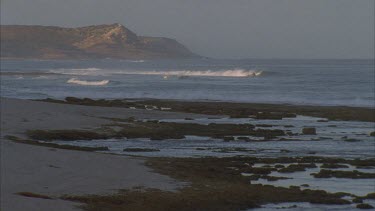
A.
x: 196, y: 73
x: 88, y: 83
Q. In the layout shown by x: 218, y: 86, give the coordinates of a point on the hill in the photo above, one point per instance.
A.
x: 99, y: 41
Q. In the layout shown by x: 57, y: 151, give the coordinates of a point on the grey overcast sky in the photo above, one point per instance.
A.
x: 222, y: 28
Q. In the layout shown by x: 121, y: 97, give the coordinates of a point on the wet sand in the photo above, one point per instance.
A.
x: 55, y: 172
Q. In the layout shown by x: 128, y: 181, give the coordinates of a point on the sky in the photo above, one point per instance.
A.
x: 304, y: 29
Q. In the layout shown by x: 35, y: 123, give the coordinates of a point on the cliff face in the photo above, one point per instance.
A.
x: 101, y: 41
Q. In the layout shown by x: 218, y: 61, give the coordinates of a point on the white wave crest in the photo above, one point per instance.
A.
x: 136, y: 61
x: 221, y: 73
x: 87, y: 83
x: 168, y: 73
x: 78, y: 71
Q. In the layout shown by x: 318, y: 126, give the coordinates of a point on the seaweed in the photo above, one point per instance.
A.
x: 216, y: 184
x: 343, y: 174
x: 235, y: 110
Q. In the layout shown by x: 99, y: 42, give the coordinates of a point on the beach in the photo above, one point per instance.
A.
x: 55, y: 172
x: 39, y: 176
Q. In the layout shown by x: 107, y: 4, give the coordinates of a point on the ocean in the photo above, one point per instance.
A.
x: 307, y: 82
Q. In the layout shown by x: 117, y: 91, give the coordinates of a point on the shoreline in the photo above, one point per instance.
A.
x: 73, y: 178
x: 55, y: 172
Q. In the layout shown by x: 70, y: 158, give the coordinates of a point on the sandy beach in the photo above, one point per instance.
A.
x: 55, y: 172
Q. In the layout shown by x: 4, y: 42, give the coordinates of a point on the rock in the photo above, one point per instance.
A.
x: 72, y: 99
x: 351, y: 140
x: 309, y: 131
x: 372, y: 133
x: 324, y: 173
x: 296, y: 167
x: 242, y: 138
x: 364, y: 206
x: 290, y: 133
x: 357, y: 200
x: 333, y: 166
x: 264, y: 125
x: 288, y: 126
x: 140, y: 150
x: 229, y: 138
x: 289, y: 115
x: 370, y: 196
x: 269, y: 115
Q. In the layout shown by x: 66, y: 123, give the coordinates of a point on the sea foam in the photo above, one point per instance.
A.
x: 78, y: 71
x: 87, y: 83
x: 178, y: 73
x: 207, y: 73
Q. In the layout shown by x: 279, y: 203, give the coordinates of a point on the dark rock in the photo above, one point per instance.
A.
x: 357, y: 200
x: 243, y: 138
x: 72, y: 99
x: 333, y: 166
x: 229, y: 138
x: 351, y: 140
x: 263, y: 125
x: 290, y: 133
x: 309, y: 131
x: 288, y: 126
x: 289, y: 115
x: 140, y: 150
x: 296, y: 167
x: 370, y: 196
x: 364, y: 206
x: 343, y: 174
x: 260, y: 170
x: 269, y: 115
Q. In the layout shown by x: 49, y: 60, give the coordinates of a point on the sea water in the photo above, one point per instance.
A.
x: 313, y: 82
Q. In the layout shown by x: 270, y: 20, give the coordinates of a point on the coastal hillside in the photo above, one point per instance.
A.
x: 99, y: 41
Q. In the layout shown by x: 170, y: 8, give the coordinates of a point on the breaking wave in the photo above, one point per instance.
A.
x: 78, y: 71
x: 136, y: 61
x: 89, y: 69
x: 178, y: 73
x: 210, y: 73
x: 87, y: 83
